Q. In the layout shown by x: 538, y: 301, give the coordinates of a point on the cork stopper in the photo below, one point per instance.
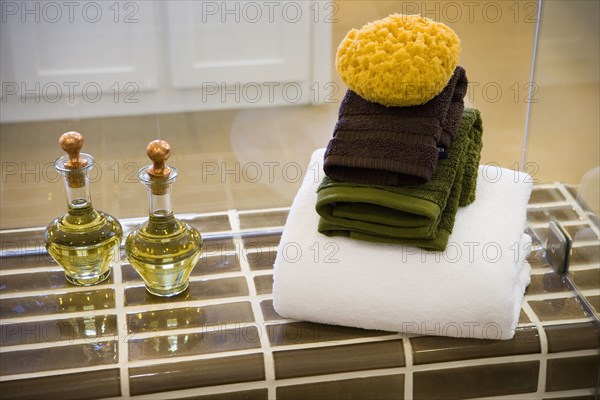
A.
x: 159, y: 152
x: 71, y: 143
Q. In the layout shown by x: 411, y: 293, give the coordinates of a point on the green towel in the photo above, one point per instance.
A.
x: 421, y: 216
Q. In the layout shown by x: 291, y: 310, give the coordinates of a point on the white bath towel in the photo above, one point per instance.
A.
x: 473, y: 289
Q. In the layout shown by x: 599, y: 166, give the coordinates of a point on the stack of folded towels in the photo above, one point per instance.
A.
x: 413, y: 250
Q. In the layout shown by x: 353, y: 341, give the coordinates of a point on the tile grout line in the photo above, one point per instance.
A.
x: 57, y: 316
x: 408, y: 375
x: 128, y: 284
x: 548, y: 205
x: 541, y: 389
x: 263, y: 210
x: 567, y: 223
x: 300, y: 346
x: 131, y: 309
x: 56, y: 372
x: 122, y: 329
x: 583, y: 267
x: 54, y: 344
x: 62, y: 291
x: 564, y: 294
x: 269, y: 363
x: 499, y: 359
x: 220, y: 328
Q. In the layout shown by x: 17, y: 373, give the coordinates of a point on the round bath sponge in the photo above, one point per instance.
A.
x: 401, y: 60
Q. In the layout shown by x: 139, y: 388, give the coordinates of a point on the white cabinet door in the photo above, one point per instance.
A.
x: 68, y: 60
x: 101, y: 52
x: 238, y: 42
x: 64, y: 60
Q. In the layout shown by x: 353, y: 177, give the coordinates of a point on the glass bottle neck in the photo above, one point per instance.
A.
x: 159, y: 194
x: 77, y: 187
x: 160, y: 203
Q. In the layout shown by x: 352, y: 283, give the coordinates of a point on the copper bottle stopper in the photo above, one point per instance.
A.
x: 159, y: 152
x: 71, y: 143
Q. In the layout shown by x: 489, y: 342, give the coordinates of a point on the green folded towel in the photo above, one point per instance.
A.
x: 421, y: 216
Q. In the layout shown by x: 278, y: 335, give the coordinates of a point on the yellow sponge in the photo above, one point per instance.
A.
x: 401, y: 60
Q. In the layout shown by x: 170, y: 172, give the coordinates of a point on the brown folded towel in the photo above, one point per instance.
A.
x: 450, y: 124
x: 393, y: 146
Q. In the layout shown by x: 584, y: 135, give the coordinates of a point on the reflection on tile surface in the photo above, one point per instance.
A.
x: 308, y: 332
x: 431, y: 349
x: 129, y: 274
x: 595, y: 302
x: 207, y: 265
x: 200, y: 373
x: 585, y: 255
x: 258, y: 394
x: 216, y: 264
x: 49, y: 280
x: 546, y: 283
x: 572, y: 373
x: 187, y: 344
x: 57, y: 303
x: 82, y: 385
x: 560, y: 214
x: 268, y: 311
x: 587, y: 279
x: 583, y: 232
x: 334, y: 359
x: 555, y: 309
x: 546, y: 196
x: 388, y: 387
x: 477, y: 381
x: 16, y: 260
x: 263, y: 219
x: 198, y: 290
x: 210, y: 223
x: 18, y: 240
x: 571, y: 337
x: 523, y: 318
x: 254, y: 241
x: 261, y: 259
x: 217, y: 245
x: 59, y: 357
x: 58, y: 330
x: 263, y: 284
x: 189, y: 317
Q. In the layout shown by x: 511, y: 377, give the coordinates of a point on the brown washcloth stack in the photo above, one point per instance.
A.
x: 377, y: 145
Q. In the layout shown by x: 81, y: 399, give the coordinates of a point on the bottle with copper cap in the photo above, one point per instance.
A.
x: 163, y: 250
x: 84, y: 241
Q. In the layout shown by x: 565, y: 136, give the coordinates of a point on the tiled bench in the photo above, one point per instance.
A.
x: 222, y: 339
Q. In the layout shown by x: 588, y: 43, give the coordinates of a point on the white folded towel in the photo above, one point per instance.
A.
x: 473, y: 289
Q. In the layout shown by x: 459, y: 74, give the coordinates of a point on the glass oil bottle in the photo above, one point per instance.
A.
x: 163, y: 250
x: 84, y: 241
